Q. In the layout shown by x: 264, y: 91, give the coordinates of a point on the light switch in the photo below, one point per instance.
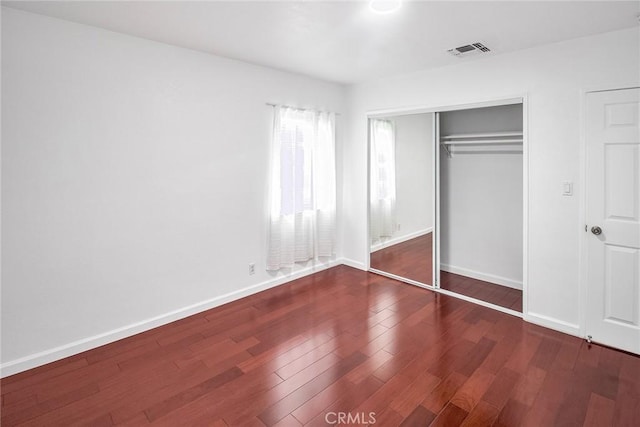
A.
x: 567, y: 188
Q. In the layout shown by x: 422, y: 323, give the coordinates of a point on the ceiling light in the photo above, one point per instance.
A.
x: 384, y: 6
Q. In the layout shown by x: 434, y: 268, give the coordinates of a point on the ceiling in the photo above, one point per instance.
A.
x: 343, y: 41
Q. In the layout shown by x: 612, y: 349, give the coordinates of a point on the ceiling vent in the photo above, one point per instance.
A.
x: 469, y: 49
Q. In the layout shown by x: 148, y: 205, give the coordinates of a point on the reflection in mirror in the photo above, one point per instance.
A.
x: 401, y: 199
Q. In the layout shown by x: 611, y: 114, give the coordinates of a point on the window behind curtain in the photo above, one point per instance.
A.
x: 302, y: 214
x: 296, y: 180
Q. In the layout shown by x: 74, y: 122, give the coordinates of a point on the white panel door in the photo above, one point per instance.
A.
x: 613, y: 218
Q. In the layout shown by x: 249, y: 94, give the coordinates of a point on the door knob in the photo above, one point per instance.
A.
x: 596, y: 230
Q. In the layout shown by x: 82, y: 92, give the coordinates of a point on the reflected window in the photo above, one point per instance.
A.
x: 383, y: 179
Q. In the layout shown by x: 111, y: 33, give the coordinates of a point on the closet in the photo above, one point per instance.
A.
x: 447, y: 200
x: 480, y: 203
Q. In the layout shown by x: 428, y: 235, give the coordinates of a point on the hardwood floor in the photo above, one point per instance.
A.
x: 413, y: 259
x: 341, y: 340
x: 485, y: 291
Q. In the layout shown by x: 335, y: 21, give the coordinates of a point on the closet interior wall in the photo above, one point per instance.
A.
x: 481, y: 195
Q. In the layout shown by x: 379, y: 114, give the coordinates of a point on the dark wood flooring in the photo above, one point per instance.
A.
x: 485, y: 291
x: 341, y: 340
x: 413, y: 259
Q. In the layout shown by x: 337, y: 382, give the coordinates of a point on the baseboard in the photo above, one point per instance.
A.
x: 351, y: 263
x: 400, y: 239
x: 498, y: 280
x: 555, y: 324
x: 42, y: 358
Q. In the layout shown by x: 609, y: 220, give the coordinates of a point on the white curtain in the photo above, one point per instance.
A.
x: 303, y: 187
x: 383, y: 179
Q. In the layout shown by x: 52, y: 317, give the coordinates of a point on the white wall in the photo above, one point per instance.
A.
x: 414, y: 176
x: 133, y: 182
x: 553, y: 77
x: 481, y: 199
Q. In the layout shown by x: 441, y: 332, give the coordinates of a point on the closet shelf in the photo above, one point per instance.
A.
x: 484, y: 141
x: 489, y: 141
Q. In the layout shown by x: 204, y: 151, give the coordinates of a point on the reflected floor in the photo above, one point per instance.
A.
x: 412, y: 259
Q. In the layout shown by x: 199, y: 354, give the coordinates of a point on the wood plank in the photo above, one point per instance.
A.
x: 240, y: 392
x: 512, y: 414
x: 443, y: 392
x: 501, y: 388
x: 406, y: 401
x: 451, y: 415
x: 162, y: 408
x: 239, y: 412
x: 279, y: 410
x: 483, y: 414
x: 470, y: 393
x: 18, y: 417
x: 420, y: 416
x: 348, y: 400
x: 600, y: 411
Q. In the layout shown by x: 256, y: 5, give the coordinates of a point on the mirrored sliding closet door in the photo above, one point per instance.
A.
x: 401, y: 203
x: 446, y: 194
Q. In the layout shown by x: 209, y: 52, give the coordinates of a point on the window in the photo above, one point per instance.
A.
x: 303, y: 187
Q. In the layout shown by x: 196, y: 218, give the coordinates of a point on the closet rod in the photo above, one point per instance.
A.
x: 298, y: 108
x: 483, y: 141
x: 482, y: 135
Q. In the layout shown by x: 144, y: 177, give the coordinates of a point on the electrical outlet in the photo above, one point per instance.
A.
x: 398, y: 225
x: 252, y: 268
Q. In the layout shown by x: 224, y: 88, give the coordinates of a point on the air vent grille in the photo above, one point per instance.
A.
x: 469, y: 49
x: 481, y: 47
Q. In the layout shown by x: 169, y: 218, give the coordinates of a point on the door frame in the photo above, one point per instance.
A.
x: 583, y: 260
x: 435, y: 109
